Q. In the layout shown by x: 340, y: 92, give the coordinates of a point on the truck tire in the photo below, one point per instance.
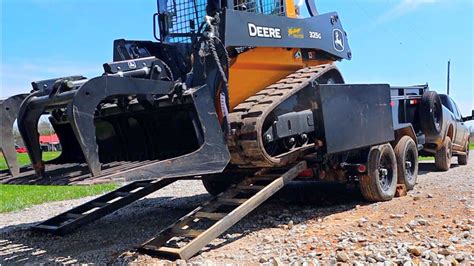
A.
x: 462, y: 159
x: 431, y: 113
x: 443, y: 155
x: 407, y: 162
x: 380, y: 182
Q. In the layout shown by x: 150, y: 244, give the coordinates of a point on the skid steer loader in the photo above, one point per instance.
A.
x: 208, y: 92
x: 244, y: 94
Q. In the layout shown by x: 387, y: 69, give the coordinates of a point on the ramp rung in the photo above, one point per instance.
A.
x: 46, y: 227
x: 251, y: 188
x: 122, y: 194
x: 223, y: 221
x: 141, y: 184
x: 186, y: 232
x: 98, y: 204
x: 210, y: 215
x: 165, y: 251
x: 231, y: 201
x: 73, y: 215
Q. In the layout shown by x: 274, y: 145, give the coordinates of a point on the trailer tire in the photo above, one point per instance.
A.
x: 380, y: 182
x: 215, y: 186
x: 406, y: 153
x: 443, y: 155
x: 462, y: 159
x: 431, y: 113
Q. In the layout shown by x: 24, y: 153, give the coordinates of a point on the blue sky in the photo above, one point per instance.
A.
x: 400, y: 42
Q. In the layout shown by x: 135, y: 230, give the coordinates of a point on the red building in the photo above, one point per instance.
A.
x: 50, y: 143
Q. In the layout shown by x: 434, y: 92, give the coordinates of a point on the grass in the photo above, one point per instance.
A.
x: 23, y: 158
x: 430, y: 158
x: 17, y: 197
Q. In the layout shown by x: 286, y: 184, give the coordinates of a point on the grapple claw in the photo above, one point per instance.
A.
x: 8, y: 113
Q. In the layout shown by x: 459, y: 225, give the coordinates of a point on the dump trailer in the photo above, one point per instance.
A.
x: 244, y: 95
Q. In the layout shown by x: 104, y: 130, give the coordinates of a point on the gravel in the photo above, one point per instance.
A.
x: 307, y: 224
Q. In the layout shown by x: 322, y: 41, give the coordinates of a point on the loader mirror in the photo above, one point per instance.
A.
x: 468, y: 118
x: 156, y: 29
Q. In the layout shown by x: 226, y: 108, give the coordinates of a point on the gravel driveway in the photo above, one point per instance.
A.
x: 308, y: 222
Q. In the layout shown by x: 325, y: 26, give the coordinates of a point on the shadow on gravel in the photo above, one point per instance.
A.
x: 104, y: 240
x: 428, y: 167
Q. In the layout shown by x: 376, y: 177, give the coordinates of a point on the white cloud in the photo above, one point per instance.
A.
x: 403, y: 8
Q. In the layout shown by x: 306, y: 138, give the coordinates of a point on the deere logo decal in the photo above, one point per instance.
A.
x: 296, y: 33
x: 263, y: 31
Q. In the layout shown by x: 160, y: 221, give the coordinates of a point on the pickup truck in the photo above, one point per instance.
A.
x: 450, y: 137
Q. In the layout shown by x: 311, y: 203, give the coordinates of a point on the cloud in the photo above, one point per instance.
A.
x: 403, y: 8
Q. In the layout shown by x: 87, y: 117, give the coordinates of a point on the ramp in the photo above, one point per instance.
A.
x: 101, y: 206
x: 195, y: 230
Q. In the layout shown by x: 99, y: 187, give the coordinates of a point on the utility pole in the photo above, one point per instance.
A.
x: 449, y: 66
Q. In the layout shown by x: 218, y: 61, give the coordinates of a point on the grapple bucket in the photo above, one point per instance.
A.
x: 133, y: 121
x: 8, y: 114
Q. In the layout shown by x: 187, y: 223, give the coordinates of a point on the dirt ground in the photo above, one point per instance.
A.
x: 305, y: 223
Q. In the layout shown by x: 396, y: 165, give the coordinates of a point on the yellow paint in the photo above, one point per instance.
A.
x: 290, y: 9
x: 258, y: 68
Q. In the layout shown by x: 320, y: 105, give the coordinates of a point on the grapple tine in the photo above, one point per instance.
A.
x: 83, y: 106
x: 28, y: 118
x: 8, y: 114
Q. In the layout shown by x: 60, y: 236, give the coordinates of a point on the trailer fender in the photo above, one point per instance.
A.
x: 404, y: 130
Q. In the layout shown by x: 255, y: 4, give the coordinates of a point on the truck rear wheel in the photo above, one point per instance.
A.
x: 407, y: 162
x: 431, y: 113
x: 462, y: 159
x: 380, y: 182
x: 443, y: 155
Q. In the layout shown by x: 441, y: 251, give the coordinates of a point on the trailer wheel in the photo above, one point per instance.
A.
x: 462, y: 159
x: 215, y: 186
x: 443, y: 156
x: 407, y: 162
x: 380, y: 182
x: 431, y: 113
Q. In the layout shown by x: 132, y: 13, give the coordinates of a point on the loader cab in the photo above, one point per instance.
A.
x: 177, y: 21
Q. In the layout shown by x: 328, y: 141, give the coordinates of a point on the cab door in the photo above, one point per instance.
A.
x: 461, y: 129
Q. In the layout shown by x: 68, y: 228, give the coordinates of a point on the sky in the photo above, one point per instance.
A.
x: 399, y: 42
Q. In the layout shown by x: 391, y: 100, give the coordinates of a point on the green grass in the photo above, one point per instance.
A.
x: 23, y: 158
x: 430, y: 158
x: 17, y: 197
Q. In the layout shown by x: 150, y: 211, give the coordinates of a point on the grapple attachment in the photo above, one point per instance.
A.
x: 8, y: 114
x: 133, y: 119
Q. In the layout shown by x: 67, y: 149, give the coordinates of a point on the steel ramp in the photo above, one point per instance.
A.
x: 198, y: 228
x: 101, y: 206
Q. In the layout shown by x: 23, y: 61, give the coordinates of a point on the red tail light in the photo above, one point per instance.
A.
x: 361, y: 168
x: 306, y: 173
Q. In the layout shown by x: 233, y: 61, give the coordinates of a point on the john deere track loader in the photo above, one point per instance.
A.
x: 209, y: 93
x: 243, y: 94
